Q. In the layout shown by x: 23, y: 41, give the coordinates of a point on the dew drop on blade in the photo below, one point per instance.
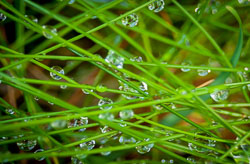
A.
x: 113, y: 58
x: 130, y: 20
x: 126, y: 114
x: 156, y: 6
x: 105, y: 104
x: 52, y: 31
x: 58, y: 70
x: 39, y: 158
x: 219, y: 95
x: 89, y: 145
x: 101, y: 88
x: 2, y: 17
x: 142, y: 149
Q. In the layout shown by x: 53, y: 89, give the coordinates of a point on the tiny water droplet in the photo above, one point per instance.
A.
x: 51, y: 30
x: 39, y: 158
x: 142, y: 149
x: 113, y: 58
x: 51, y: 103
x: 32, y: 18
x: 186, y: 63
x: 157, y: 107
x: 87, y: 91
x: 203, y: 72
x: 105, y: 153
x: 2, y: 17
x: 136, y: 59
x: 26, y: 145
x: 57, y: 69
x: 36, y: 98
x: 89, y: 145
x: 78, y: 122
x: 130, y: 20
x: 63, y: 86
x: 58, y: 124
x: 71, y: 2
x: 126, y: 139
x: 105, y: 101
x: 157, y: 6
x: 219, y: 95
x: 9, y: 111
x: 106, y: 116
x: 101, y: 88
x: 105, y: 129
x: 122, y: 124
x: 126, y: 114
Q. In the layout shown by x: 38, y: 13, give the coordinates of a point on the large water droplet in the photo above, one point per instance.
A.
x: 219, y: 95
x: 126, y: 114
x: 113, y: 58
x: 157, y: 5
x: 2, y: 17
x: 26, y: 145
x: 58, y: 124
x: 142, y: 149
x: 39, y: 158
x: 130, y: 20
x: 105, y: 101
x: 101, y: 88
x: 106, y: 116
x: 57, y: 69
x: 52, y: 31
x: 126, y: 139
x: 78, y: 122
x: 87, y: 145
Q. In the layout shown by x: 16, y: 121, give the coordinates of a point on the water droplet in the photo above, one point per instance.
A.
x: 106, y: 116
x: 58, y: 70
x: 157, y: 6
x: 244, y: 2
x: 105, y: 101
x: 126, y: 139
x: 63, y: 86
x: 36, y: 98
x: 105, y: 129
x: 2, y: 17
x: 78, y: 122
x: 71, y: 2
x: 142, y: 149
x: 197, y: 10
x: 157, y: 107
x: 136, y: 59
x: 124, y: 87
x: 26, y: 145
x: 113, y: 58
x: 203, y: 72
x: 58, y: 124
x: 51, y: 103
x: 229, y: 80
x: 105, y: 153
x: 122, y: 124
x: 219, y: 95
x: 248, y: 86
x: 169, y: 133
x: 52, y: 31
x: 130, y: 20
x: 87, y: 91
x: 39, y: 158
x: 89, y: 145
x: 9, y: 111
x: 163, y: 161
x: 101, y: 88
x: 75, y: 160
x: 186, y: 63
x: 32, y: 18
x: 126, y: 114
x: 191, y: 159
